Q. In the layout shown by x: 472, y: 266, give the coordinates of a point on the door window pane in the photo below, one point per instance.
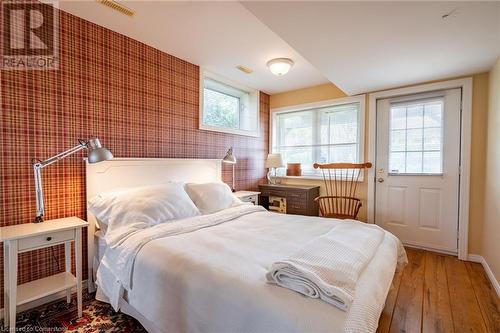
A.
x: 398, y: 140
x: 415, y: 138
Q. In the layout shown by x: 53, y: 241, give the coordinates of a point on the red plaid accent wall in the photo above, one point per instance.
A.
x: 139, y: 101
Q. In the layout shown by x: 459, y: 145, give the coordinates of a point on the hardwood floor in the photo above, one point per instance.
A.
x: 439, y: 293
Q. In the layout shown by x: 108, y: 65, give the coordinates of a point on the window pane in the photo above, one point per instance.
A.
x: 414, y: 139
x: 398, y: 140
x: 398, y: 118
x: 339, y: 126
x: 433, y: 113
x: 220, y: 109
x: 432, y: 162
x: 413, y: 162
x: 415, y: 116
x: 432, y: 139
x: 397, y: 162
x: 296, y: 129
x: 342, y: 154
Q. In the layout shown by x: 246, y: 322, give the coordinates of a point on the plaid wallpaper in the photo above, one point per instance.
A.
x: 138, y: 101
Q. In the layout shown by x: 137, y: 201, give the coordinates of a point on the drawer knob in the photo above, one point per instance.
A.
x: 49, y: 239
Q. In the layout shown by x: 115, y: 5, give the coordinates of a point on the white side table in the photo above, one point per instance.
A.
x: 28, y: 237
x: 248, y: 196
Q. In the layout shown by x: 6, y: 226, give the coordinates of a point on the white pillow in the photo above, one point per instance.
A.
x: 211, y: 197
x: 142, y: 207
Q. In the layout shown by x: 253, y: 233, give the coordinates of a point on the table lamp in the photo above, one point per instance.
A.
x: 273, y: 161
x: 97, y: 153
x: 230, y: 159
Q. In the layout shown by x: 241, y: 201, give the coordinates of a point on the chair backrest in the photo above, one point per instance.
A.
x: 341, y: 182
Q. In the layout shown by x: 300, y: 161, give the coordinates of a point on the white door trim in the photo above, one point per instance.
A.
x: 465, y: 147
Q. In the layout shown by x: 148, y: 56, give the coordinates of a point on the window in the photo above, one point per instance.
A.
x: 323, y: 133
x: 226, y: 107
x: 415, y: 137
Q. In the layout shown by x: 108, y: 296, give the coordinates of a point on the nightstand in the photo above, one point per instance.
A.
x: 28, y: 237
x: 248, y: 196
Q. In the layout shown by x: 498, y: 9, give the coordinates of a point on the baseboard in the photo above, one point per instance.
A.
x: 480, y: 259
x: 44, y: 300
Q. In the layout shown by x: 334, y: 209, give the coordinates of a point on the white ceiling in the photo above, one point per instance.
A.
x: 364, y: 47
x: 360, y: 47
x: 214, y: 35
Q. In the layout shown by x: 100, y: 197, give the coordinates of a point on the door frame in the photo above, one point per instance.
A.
x: 465, y: 149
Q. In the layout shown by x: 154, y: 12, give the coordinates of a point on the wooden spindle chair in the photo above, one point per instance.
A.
x: 341, y: 181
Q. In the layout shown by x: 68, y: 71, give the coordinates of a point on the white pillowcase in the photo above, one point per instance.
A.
x: 212, y: 197
x: 141, y: 207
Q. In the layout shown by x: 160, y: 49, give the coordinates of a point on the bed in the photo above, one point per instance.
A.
x: 214, y: 278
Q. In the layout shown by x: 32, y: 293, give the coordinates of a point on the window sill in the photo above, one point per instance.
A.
x: 318, y: 178
x: 254, y: 134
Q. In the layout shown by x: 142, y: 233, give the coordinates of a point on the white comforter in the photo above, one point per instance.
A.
x: 207, y: 274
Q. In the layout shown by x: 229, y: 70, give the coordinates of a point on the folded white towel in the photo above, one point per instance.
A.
x: 329, y: 266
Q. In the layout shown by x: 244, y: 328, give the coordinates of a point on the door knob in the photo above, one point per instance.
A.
x: 380, y: 180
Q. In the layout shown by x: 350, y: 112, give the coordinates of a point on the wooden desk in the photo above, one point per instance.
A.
x: 299, y: 198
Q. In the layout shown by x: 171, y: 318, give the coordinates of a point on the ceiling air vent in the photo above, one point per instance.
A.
x: 244, y: 69
x: 117, y: 6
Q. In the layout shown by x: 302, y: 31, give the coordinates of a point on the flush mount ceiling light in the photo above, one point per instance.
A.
x: 280, y: 66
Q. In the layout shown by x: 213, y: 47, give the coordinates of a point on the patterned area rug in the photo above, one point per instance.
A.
x: 60, y: 316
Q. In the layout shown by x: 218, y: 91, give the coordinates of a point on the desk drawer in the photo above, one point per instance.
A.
x: 46, y: 240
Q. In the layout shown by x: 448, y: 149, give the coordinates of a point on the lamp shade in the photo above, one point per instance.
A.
x: 229, y: 158
x: 97, y: 153
x: 274, y: 161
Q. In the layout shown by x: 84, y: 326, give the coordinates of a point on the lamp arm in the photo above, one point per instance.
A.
x: 38, y: 166
x: 64, y: 154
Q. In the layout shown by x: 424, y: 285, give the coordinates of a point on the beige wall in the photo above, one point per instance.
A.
x: 479, y: 124
x: 491, y: 227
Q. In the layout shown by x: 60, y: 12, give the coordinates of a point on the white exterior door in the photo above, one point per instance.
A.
x: 417, y: 168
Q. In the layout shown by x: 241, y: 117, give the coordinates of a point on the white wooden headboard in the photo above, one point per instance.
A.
x: 120, y: 173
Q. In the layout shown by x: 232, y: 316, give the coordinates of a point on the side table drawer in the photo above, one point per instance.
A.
x: 250, y: 198
x: 45, y: 240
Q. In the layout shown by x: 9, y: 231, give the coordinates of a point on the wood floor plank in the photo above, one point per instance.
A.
x: 465, y: 309
x: 486, y: 296
x: 386, y: 316
x: 436, y: 312
x: 407, y: 314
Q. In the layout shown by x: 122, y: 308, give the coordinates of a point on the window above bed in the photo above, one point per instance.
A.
x: 228, y: 107
x: 325, y: 132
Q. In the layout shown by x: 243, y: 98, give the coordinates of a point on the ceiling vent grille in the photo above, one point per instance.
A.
x: 244, y: 69
x: 117, y: 6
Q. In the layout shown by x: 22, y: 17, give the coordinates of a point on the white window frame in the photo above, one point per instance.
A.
x: 361, y: 99
x: 254, y: 105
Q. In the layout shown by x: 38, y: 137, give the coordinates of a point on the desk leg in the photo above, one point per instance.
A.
x: 12, y: 284
x: 5, y: 284
x: 67, y: 259
x: 78, y: 266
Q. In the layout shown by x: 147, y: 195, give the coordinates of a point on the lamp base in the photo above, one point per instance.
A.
x: 271, y: 176
x: 38, y: 219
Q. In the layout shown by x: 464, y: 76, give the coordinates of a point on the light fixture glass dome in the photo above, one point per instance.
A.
x: 280, y: 66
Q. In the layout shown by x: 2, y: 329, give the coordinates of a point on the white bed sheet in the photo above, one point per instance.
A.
x: 213, y: 280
